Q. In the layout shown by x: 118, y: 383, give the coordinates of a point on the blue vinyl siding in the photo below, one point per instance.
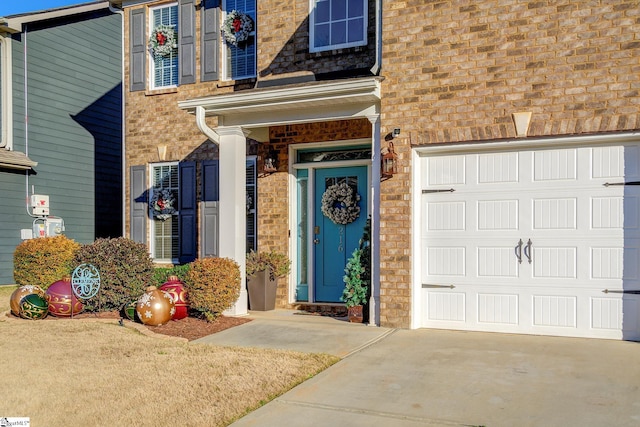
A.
x: 75, y: 131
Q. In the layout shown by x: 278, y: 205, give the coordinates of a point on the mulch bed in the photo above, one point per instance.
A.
x: 190, y: 328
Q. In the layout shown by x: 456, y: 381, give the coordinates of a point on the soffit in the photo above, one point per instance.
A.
x: 15, y: 160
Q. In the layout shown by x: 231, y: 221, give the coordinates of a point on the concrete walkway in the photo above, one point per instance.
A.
x: 445, y: 378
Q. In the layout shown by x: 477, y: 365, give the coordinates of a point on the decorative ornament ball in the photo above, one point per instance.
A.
x: 34, y: 307
x: 155, y: 307
x: 174, y: 287
x: 62, y: 299
x: 130, y: 311
x: 22, y: 292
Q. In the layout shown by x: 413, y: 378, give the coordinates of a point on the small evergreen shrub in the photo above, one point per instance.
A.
x: 44, y: 260
x: 160, y: 274
x: 125, y: 267
x: 355, y: 290
x: 213, y: 285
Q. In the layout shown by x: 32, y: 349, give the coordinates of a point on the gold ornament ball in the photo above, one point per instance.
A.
x: 155, y: 307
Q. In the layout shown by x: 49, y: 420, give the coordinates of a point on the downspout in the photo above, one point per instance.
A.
x: 26, y: 119
x: 120, y: 12
x: 377, y: 66
x: 204, y: 128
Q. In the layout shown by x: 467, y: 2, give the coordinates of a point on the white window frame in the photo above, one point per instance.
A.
x: 152, y: 230
x: 312, y: 29
x: 6, y: 106
x: 226, y: 50
x: 152, y: 62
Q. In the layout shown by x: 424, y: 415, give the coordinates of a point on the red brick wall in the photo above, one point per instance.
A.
x: 455, y: 71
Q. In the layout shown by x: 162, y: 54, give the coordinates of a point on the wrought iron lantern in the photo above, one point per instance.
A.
x: 389, y: 162
x: 271, y: 161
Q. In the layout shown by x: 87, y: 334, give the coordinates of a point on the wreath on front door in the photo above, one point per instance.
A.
x: 163, y: 204
x: 340, y: 204
x: 163, y: 41
x: 237, y: 27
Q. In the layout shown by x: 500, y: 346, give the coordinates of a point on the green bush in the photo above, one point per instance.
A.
x: 213, y: 285
x: 125, y: 271
x: 160, y: 274
x: 44, y: 260
x: 355, y: 290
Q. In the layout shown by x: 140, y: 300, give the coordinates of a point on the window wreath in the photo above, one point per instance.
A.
x: 162, y: 204
x: 237, y: 27
x: 340, y: 204
x: 163, y: 41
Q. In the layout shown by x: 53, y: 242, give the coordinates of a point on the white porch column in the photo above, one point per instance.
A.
x: 233, y: 206
x: 374, y: 300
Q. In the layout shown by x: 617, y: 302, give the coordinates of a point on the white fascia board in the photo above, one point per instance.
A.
x: 529, y: 143
x: 328, y: 95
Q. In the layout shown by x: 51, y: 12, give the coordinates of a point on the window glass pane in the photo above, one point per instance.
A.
x: 165, y: 69
x: 165, y: 231
x: 338, y: 24
x: 321, y: 35
x: 322, y: 11
x: 338, y: 33
x: 355, y: 8
x: 338, y: 10
x: 241, y: 60
x: 356, y: 29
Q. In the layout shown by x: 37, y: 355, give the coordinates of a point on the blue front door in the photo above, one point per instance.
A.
x: 335, y: 242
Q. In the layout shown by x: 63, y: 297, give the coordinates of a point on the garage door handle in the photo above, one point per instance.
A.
x: 518, y: 251
x: 607, y: 184
x: 429, y: 285
x: 527, y: 250
x: 448, y: 190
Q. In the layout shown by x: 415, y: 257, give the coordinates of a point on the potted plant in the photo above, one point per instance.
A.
x: 263, y: 271
x: 354, y: 294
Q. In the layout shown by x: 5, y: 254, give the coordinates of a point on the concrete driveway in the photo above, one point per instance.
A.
x: 449, y: 378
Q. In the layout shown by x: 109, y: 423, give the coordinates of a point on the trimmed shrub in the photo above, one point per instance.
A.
x: 160, y: 274
x: 44, y: 260
x: 213, y: 285
x: 125, y: 267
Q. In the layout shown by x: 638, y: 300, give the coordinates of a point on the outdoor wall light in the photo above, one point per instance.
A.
x: 395, y: 133
x: 389, y: 164
x: 271, y: 161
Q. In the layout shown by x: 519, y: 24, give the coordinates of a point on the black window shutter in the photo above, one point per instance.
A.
x: 138, y: 58
x: 210, y: 215
x: 187, y: 219
x: 187, y: 52
x: 210, y: 40
x: 139, y: 203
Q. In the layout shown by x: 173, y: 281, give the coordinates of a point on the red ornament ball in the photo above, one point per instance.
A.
x: 62, y: 299
x: 174, y: 287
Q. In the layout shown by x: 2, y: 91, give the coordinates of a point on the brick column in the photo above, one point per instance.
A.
x: 233, y: 206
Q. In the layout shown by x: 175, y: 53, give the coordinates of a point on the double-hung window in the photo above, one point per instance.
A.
x: 164, y: 69
x: 240, y: 61
x: 337, y: 24
x: 164, y: 232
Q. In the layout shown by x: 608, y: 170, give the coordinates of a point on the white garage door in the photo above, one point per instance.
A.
x: 542, y: 241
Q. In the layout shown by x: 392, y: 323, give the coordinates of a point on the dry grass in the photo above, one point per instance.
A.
x: 90, y: 373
